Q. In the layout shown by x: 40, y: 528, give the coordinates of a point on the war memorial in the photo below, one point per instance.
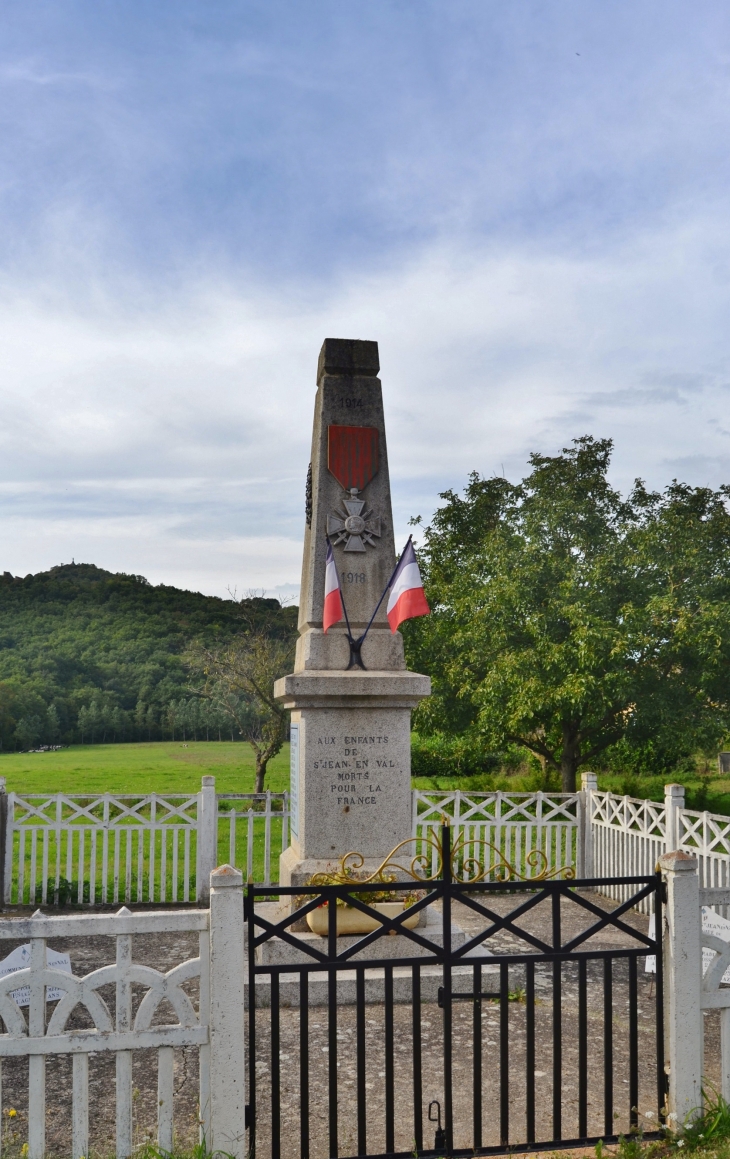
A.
x: 350, y: 698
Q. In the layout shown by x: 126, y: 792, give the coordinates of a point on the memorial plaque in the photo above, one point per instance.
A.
x: 354, y: 769
x: 294, y: 780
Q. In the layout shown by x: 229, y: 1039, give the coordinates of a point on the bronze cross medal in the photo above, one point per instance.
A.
x: 353, y: 525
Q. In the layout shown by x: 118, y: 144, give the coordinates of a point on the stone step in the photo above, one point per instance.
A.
x: 431, y: 978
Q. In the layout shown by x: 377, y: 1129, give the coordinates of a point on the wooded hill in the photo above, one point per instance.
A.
x: 89, y: 654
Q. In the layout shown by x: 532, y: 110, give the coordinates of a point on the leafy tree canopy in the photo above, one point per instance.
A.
x: 78, y: 637
x: 574, y: 622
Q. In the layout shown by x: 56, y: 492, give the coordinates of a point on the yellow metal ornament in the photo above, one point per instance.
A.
x: 469, y: 872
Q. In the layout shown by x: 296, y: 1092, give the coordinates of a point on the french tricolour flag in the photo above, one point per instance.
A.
x: 406, y: 590
x: 332, y: 613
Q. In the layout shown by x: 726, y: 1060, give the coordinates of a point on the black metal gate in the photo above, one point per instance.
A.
x: 354, y: 1050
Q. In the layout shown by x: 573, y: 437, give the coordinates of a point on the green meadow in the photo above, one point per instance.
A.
x: 158, y: 767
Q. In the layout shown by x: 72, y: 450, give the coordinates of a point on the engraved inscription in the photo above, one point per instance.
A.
x: 357, y: 765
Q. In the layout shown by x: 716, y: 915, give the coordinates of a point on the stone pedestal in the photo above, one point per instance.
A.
x: 350, y: 766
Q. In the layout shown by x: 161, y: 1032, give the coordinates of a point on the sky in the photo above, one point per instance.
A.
x: 525, y: 205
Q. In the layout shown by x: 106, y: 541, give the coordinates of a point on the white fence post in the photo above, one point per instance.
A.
x: 37, y: 1062
x: 8, y: 878
x: 207, y: 855
x: 4, y: 884
x: 584, y: 836
x: 682, y: 954
x: 673, y: 802
x: 227, y: 1055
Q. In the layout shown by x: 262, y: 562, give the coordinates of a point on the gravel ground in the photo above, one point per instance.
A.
x: 164, y: 951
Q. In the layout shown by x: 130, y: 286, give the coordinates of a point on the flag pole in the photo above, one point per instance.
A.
x: 356, y: 660
x: 355, y: 657
x: 384, y: 593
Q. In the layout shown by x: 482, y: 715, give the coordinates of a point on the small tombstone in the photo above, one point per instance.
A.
x: 19, y: 959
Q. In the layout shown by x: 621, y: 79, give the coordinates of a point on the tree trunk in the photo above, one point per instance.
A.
x: 569, y: 758
x: 261, y: 764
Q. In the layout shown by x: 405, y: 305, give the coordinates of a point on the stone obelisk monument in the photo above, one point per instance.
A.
x: 350, y: 745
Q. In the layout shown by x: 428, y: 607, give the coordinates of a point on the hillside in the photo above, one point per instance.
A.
x: 89, y: 654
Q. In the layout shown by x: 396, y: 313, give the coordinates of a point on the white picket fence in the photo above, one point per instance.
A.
x: 215, y: 1028
x: 492, y: 828
x: 112, y: 849
x: 626, y: 836
x: 254, y: 821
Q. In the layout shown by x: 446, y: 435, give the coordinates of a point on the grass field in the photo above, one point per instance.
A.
x: 160, y: 767
x: 175, y: 767
x: 139, y: 769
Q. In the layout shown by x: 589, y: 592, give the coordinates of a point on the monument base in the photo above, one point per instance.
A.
x: 350, y: 766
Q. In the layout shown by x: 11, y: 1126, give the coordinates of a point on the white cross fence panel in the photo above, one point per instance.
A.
x: 707, y: 836
x: 100, y: 849
x: 498, y: 829
x: 107, y: 849
x: 628, y: 836
x: 163, y: 1017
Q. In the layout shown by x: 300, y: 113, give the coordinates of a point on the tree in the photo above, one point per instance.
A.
x: 28, y: 731
x: 239, y: 682
x: 83, y: 722
x: 53, y: 725
x: 140, y: 718
x: 568, y: 620
x: 118, y: 723
x: 93, y: 719
x: 680, y: 626
x: 172, y: 717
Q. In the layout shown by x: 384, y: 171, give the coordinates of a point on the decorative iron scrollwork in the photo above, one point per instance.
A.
x: 465, y: 870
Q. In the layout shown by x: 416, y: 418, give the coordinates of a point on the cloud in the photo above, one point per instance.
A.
x: 524, y: 204
x: 173, y: 440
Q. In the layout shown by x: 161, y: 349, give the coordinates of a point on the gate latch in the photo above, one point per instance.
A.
x: 465, y: 997
x: 440, y: 1140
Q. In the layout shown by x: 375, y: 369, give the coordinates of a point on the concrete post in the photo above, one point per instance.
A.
x: 207, y: 852
x: 673, y: 802
x: 8, y: 878
x: 682, y: 953
x: 227, y: 1054
x: 5, y: 878
x: 588, y: 784
x: 725, y: 1053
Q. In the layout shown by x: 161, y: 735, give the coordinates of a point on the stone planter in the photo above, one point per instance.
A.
x: 354, y: 921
